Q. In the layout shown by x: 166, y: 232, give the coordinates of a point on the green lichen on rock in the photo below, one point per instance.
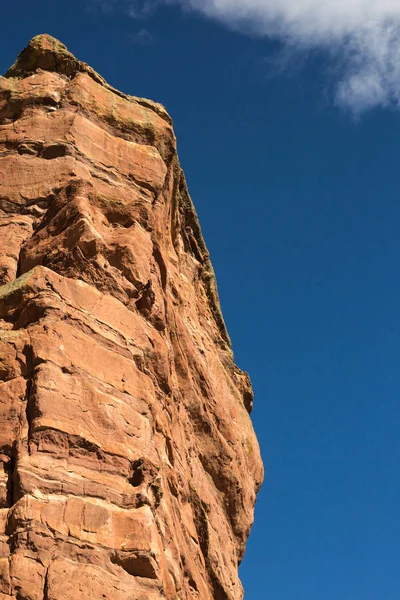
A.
x: 10, y: 288
x: 15, y: 290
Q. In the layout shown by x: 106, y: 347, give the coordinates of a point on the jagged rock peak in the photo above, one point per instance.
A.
x: 47, y: 53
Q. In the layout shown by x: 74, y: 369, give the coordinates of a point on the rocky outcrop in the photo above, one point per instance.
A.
x: 128, y: 463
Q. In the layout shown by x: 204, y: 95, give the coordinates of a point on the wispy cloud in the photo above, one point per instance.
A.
x: 136, y: 9
x: 141, y: 9
x: 361, y: 37
x: 100, y: 6
x: 143, y: 37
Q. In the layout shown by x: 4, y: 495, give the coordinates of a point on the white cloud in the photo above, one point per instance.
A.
x: 363, y: 36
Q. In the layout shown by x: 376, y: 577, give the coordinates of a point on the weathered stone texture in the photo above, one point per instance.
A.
x: 128, y: 463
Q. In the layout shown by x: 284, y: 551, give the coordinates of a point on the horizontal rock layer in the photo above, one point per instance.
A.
x: 128, y: 463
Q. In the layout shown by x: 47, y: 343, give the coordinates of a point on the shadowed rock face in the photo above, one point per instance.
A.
x: 128, y: 463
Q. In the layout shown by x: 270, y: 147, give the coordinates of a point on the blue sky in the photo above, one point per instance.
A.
x: 297, y: 189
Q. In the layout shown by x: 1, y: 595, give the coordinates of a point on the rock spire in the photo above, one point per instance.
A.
x: 129, y: 466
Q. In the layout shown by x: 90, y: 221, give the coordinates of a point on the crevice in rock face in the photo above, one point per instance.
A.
x: 46, y: 586
x: 12, y: 486
x: 137, y: 564
x: 30, y: 408
x: 161, y: 265
x: 157, y: 491
x: 55, y: 151
x: 137, y: 477
x: 15, y: 107
x: 39, y: 209
x: 11, y: 117
x: 201, y: 524
x: 19, y: 265
x: 142, y: 471
x: 38, y: 149
x: 118, y: 216
x: 9, y: 469
x: 248, y: 398
x: 170, y: 452
x: 201, y: 521
x: 30, y: 148
x: 146, y: 301
x: 145, y: 476
x: 191, y: 582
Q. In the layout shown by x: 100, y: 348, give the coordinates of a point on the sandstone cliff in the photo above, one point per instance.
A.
x: 128, y: 463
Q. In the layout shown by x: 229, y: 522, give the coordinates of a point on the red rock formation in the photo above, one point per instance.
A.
x: 128, y: 463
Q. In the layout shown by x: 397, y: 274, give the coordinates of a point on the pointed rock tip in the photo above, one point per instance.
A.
x: 45, y: 41
x: 49, y: 54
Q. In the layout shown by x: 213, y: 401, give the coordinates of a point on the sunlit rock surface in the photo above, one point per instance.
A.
x: 128, y: 463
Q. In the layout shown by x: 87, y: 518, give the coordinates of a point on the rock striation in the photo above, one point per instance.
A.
x: 128, y: 463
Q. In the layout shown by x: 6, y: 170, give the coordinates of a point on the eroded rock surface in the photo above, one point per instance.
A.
x: 128, y: 463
